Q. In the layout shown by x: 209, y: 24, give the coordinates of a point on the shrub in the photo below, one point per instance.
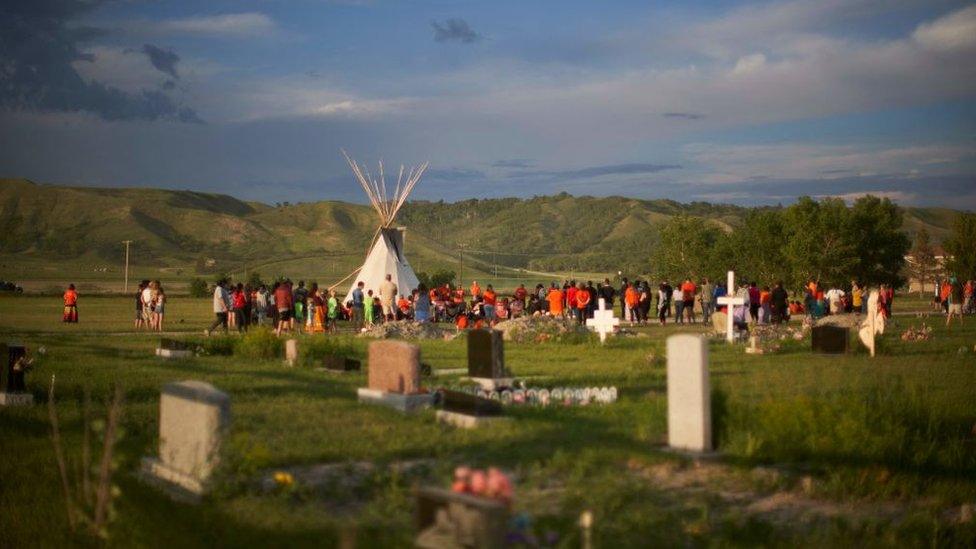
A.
x: 312, y: 350
x: 260, y: 343
x: 199, y: 288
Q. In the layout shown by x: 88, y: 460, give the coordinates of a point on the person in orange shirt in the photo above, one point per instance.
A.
x: 475, y: 290
x: 631, y: 298
x: 688, y: 290
x: 70, y: 305
x: 582, y: 302
x: 555, y: 298
x: 490, y: 299
x: 765, y: 305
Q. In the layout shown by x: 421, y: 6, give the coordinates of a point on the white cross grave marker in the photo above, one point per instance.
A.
x: 603, y: 321
x: 731, y: 302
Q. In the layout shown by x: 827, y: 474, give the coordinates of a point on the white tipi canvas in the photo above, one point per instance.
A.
x: 386, y: 258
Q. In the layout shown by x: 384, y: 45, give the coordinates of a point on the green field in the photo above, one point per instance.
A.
x: 812, y: 450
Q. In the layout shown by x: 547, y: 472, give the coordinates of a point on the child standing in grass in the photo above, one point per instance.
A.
x: 333, y: 311
x: 70, y: 305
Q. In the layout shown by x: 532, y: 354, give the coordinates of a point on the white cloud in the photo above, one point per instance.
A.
x: 236, y: 24
x: 953, y: 32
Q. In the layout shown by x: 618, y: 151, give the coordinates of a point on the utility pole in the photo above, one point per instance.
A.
x: 461, y: 267
x: 125, y: 287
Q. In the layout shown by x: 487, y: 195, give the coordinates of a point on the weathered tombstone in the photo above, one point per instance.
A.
x: 173, y: 348
x: 754, y: 348
x: 832, y: 340
x: 452, y: 519
x: 486, y: 359
x: 603, y: 321
x: 394, y: 376
x: 719, y: 320
x: 468, y: 411
x: 291, y: 352
x: 13, y: 376
x: 689, y: 393
x: 193, y: 419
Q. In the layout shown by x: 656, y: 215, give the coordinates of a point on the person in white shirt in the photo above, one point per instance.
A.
x: 678, y: 297
x: 834, y: 297
x: 221, y: 304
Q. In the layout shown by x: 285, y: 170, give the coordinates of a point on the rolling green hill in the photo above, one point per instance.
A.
x: 179, y: 229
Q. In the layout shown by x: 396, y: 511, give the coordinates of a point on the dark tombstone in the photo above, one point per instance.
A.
x: 341, y: 364
x: 471, y: 405
x: 13, y: 374
x: 173, y: 344
x: 832, y: 340
x: 451, y: 519
x: 486, y: 354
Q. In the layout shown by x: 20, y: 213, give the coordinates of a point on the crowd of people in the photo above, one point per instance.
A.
x: 287, y: 307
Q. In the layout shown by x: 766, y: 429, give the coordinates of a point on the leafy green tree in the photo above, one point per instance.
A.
x: 960, y: 247
x: 817, y: 244
x: 199, y: 287
x: 686, y: 247
x: 874, y: 229
x: 923, y: 265
x: 756, y: 250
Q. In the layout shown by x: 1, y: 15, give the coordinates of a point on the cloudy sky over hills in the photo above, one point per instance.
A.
x: 720, y: 101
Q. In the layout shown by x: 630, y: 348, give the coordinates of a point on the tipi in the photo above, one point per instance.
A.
x: 386, y: 256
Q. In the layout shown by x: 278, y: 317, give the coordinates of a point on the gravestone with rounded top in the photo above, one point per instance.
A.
x: 689, y: 394
x: 193, y: 418
x: 291, y: 352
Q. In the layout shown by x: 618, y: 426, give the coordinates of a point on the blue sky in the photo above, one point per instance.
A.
x: 743, y: 102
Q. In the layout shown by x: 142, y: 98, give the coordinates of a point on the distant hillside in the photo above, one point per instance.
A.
x: 546, y: 233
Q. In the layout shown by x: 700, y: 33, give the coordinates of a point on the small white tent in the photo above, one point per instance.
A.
x: 386, y: 257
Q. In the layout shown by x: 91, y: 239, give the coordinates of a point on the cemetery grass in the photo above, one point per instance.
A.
x: 812, y: 449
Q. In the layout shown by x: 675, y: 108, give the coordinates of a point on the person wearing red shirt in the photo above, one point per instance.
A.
x: 283, y: 302
x: 521, y: 293
x: 571, y: 292
x: 688, y: 290
x: 475, y: 289
x: 70, y: 305
x: 582, y: 302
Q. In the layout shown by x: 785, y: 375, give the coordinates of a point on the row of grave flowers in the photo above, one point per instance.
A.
x: 532, y: 396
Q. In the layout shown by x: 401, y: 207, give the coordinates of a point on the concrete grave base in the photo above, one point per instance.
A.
x: 176, y: 484
x: 397, y: 401
x: 449, y: 372
x: 16, y: 399
x: 174, y: 353
x: 466, y: 421
x: 494, y: 384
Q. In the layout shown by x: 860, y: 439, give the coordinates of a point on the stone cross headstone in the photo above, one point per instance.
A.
x: 13, y: 376
x: 873, y: 325
x: 603, y: 321
x: 486, y: 354
x: 193, y: 418
x: 689, y: 394
x: 731, y: 301
x: 291, y: 351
